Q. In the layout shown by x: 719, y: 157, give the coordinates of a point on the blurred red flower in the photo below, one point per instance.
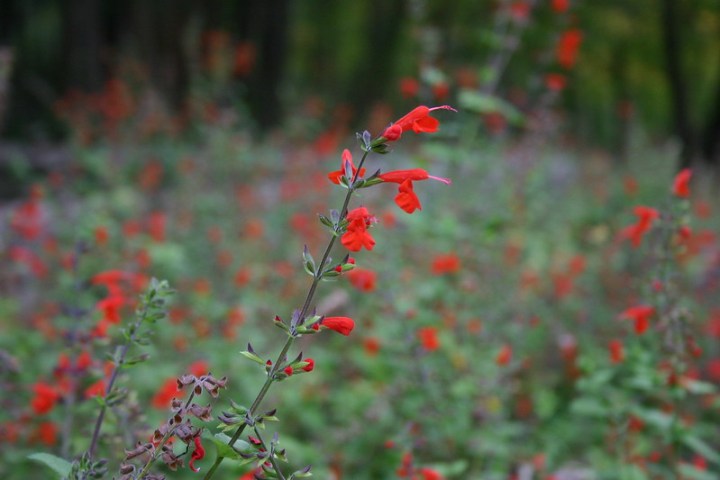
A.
x: 428, y: 338
x: 568, y: 48
x: 560, y: 6
x: 362, y: 279
x: 681, y: 183
x: 445, y: 263
x: 45, y: 398
x: 639, y: 314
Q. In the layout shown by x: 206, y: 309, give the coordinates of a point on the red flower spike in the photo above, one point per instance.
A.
x: 198, y: 454
x: 343, y: 325
x: 640, y: 315
x: 288, y: 371
x: 418, y: 120
x: 681, y: 183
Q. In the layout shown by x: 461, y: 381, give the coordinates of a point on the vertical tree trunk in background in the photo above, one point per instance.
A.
x: 265, y: 23
x: 82, y: 45
x: 622, y: 96
x: 384, y: 26
x: 710, y: 142
x: 159, y: 28
x: 678, y: 91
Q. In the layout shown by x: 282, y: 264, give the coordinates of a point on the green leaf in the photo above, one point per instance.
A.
x: 59, y: 465
x: 252, y: 357
x: 221, y: 441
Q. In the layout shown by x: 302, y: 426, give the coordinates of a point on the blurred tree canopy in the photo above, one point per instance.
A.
x: 652, y: 63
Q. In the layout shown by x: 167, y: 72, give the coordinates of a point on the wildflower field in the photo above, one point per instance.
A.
x: 466, y: 288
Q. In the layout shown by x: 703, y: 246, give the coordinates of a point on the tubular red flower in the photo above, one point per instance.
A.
x: 414, y: 174
x: 356, y: 235
x: 343, y: 325
x: 346, y: 159
x: 198, y: 454
x: 418, y: 120
x: 681, y: 184
x: 406, y: 198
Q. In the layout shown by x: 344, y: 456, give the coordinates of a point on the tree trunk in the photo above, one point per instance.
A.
x: 265, y: 23
x: 670, y: 29
x: 82, y: 42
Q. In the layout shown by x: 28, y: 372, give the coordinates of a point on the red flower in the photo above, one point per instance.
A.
x: 681, y: 184
x: 342, y: 325
x: 560, y: 6
x: 555, y: 82
x: 46, y: 433
x: 288, y: 370
x: 310, y: 365
x: 168, y: 390
x: 110, y: 307
x: 413, y: 174
x: 198, y: 454
x: 635, y: 233
x: 428, y: 338
x: 418, y: 120
x: 406, y: 198
x: 97, y: 389
x: 362, y: 279
x: 430, y: 474
x: 45, y: 398
x: 568, y: 47
x: 504, y: 355
x: 346, y: 160
x: 445, y: 263
x: 371, y: 345
x: 617, y: 352
x: 409, y: 87
x: 356, y: 235
x: 640, y: 315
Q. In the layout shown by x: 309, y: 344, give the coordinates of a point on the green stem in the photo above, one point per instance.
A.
x: 303, y: 312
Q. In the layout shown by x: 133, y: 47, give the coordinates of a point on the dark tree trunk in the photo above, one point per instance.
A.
x: 265, y: 23
x: 384, y: 25
x: 711, y: 134
x: 82, y: 42
x: 159, y: 28
x: 678, y: 89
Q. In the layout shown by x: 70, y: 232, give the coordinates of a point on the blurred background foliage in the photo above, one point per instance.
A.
x: 652, y: 65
